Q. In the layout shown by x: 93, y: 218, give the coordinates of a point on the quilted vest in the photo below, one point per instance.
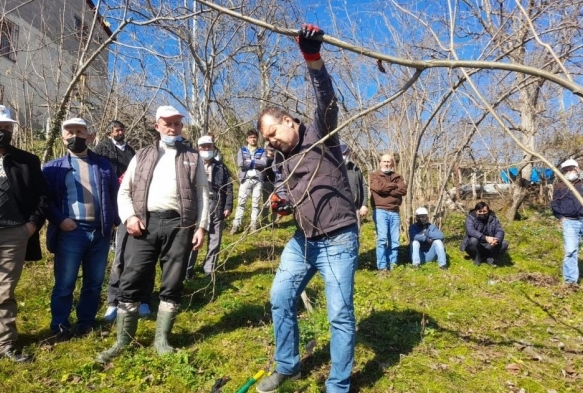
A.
x: 186, y: 164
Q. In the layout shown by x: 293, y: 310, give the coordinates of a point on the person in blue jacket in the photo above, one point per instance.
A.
x: 484, y: 238
x: 251, y: 160
x: 82, y: 192
x: 567, y: 208
x: 426, y: 241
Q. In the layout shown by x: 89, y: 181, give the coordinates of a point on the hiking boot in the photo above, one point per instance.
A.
x: 83, y: 330
x: 61, y: 336
x: 272, y: 382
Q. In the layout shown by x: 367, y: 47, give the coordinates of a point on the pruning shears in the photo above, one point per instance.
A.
x: 219, y: 383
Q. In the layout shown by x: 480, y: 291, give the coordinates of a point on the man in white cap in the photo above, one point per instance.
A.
x: 426, y: 241
x: 163, y: 202
x: 82, y: 189
x: 23, y: 204
x: 567, y: 208
x: 220, y: 204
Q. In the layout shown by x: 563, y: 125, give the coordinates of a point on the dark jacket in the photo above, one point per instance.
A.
x: 55, y: 172
x: 480, y: 229
x: 119, y: 159
x: 424, y: 233
x: 357, y: 185
x: 187, y: 161
x: 387, y: 191
x: 221, y: 189
x: 315, y: 182
x: 564, y: 203
x: 26, y: 181
x: 269, y: 171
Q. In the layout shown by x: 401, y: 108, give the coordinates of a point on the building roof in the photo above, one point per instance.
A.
x: 102, y: 20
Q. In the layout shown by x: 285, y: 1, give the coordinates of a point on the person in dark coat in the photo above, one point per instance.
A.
x: 115, y: 148
x: 484, y: 238
x: 567, y: 208
x: 220, y: 204
x: 23, y: 205
x: 357, y: 183
x: 312, y: 184
x: 119, y: 153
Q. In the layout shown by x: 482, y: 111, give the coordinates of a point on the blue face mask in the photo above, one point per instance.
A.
x: 170, y: 140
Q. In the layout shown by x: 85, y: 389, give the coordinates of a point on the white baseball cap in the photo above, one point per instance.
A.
x: 205, y: 139
x: 569, y: 162
x: 76, y: 121
x: 5, y: 116
x: 167, y: 111
x: 421, y: 211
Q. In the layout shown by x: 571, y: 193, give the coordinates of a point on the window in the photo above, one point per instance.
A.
x: 8, y: 39
x: 81, y: 29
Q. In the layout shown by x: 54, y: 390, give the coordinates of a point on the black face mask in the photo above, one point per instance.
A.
x: 5, y: 138
x: 119, y: 138
x: 482, y: 216
x: 76, y: 144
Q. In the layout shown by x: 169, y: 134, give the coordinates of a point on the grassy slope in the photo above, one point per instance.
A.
x: 467, y: 329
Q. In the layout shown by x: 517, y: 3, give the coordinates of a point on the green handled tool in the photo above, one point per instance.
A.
x: 250, y: 382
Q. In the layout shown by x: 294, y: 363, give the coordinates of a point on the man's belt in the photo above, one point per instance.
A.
x: 164, y: 214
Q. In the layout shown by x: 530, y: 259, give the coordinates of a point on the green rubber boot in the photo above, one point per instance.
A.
x: 164, y: 323
x: 127, y: 324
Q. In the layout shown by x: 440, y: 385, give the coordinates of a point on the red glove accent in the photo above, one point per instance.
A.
x: 280, y: 205
x: 310, y: 47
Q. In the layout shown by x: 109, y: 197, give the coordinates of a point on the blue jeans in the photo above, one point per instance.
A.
x: 572, y: 231
x: 336, y: 258
x: 437, y: 250
x: 388, y: 226
x: 85, y: 247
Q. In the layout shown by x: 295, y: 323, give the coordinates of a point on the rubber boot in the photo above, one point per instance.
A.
x: 164, y: 323
x: 127, y: 324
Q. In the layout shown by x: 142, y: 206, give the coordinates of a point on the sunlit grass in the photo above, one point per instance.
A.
x: 466, y: 329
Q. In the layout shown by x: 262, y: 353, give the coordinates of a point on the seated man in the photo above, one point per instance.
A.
x: 484, y: 235
x: 426, y: 241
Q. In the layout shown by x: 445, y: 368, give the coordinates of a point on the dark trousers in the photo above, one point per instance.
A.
x: 118, y: 266
x: 214, y: 237
x: 482, y: 250
x: 166, y: 240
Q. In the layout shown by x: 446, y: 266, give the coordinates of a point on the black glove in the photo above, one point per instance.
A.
x: 309, y: 47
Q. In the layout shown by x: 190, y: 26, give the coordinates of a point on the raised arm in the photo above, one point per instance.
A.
x: 326, y: 114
